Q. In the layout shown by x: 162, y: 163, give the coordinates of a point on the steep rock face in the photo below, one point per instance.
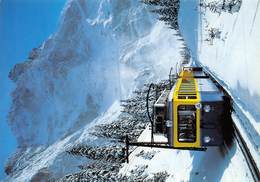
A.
x: 101, y: 52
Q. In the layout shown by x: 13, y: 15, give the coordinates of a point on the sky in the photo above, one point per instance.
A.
x: 24, y: 24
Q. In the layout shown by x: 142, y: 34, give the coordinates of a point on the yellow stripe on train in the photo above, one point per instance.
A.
x: 186, y: 94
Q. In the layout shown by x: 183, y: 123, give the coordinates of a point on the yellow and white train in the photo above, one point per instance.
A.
x: 193, y: 112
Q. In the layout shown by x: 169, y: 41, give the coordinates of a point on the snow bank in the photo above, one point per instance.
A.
x: 233, y: 54
x: 212, y: 165
x: 228, y: 46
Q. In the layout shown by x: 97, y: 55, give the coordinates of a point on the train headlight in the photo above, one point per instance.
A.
x: 207, y: 108
x: 198, y: 105
x: 206, y: 139
x: 169, y: 123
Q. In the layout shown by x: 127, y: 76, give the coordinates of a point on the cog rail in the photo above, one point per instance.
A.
x: 246, y: 152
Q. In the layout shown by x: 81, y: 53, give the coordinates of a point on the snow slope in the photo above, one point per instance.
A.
x: 233, y: 56
x: 212, y: 165
x: 53, y: 160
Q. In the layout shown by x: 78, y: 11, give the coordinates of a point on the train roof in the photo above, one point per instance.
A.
x: 206, y: 85
x: 209, y: 91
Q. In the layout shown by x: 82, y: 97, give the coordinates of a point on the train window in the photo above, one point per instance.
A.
x: 187, y: 97
x: 159, y: 124
x: 159, y: 110
x: 186, y: 123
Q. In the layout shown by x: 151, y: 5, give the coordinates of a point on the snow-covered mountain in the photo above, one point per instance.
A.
x: 103, y: 50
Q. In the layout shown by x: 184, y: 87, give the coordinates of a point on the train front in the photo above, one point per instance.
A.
x: 193, y: 114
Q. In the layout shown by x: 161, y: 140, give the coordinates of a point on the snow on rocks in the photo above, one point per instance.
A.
x: 147, y: 155
x: 112, y: 153
x: 219, y: 6
x: 106, y: 159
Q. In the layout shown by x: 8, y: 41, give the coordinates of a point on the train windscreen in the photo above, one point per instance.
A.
x: 186, y: 123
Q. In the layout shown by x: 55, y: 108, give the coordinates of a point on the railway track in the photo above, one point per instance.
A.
x: 247, y: 154
x: 252, y: 165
